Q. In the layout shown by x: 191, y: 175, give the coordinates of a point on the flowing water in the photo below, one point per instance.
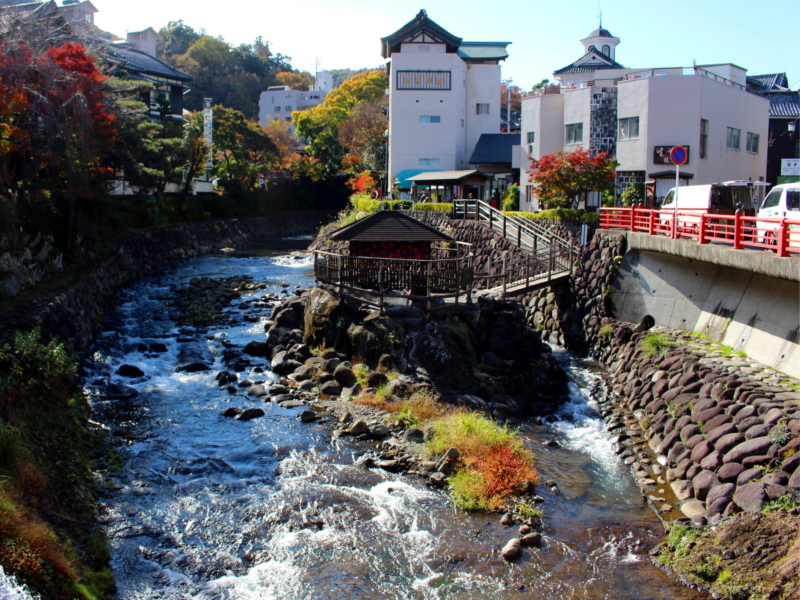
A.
x: 213, y: 508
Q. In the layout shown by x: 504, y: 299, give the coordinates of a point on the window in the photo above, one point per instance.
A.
x: 773, y: 199
x: 277, y: 109
x: 733, y: 138
x: 288, y: 109
x: 752, y: 142
x: 430, y: 119
x: 629, y: 128
x: 429, y: 162
x: 423, y: 80
x: 793, y: 199
x: 531, y: 141
x: 703, y: 137
x: 607, y: 50
x: 574, y: 133
x: 481, y: 109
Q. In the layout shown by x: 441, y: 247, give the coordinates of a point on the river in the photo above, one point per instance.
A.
x: 205, y: 507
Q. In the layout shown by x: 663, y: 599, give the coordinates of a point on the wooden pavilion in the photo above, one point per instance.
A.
x: 392, y: 254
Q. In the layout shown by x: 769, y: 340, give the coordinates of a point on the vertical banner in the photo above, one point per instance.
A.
x: 208, y: 130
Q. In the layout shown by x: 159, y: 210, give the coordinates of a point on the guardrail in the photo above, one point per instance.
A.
x: 781, y: 236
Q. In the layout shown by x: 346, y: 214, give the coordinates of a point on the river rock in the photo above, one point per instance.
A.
x: 130, y: 371
x: 722, y: 430
x: 257, y: 391
x: 749, y: 475
x: 360, y: 427
x: 302, y: 373
x: 118, y: 391
x: 231, y: 411
x: 703, y: 482
x: 750, y: 497
x: 344, y: 376
x: 682, y: 489
x: 512, y: 550
x: 256, y: 348
x: 307, y: 416
x: 507, y: 519
x: 729, y: 472
x: 746, y: 449
x: 693, y: 508
x: 414, y: 435
x: 533, y: 538
x: 330, y: 388
x: 379, y: 431
x: 194, y: 367
x: 250, y: 413
x: 794, y: 480
x: 725, y: 491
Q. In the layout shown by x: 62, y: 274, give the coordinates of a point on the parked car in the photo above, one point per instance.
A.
x: 782, y: 202
x: 716, y: 198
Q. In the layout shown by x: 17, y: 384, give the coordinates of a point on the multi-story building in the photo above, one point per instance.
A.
x: 280, y: 101
x: 638, y: 115
x: 443, y: 94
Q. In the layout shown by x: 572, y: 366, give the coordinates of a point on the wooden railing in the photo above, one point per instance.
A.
x: 379, y: 281
x: 738, y: 231
x: 527, y: 272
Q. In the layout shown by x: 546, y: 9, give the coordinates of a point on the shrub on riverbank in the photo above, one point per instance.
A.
x: 494, y: 462
x: 558, y: 214
x: 47, y: 494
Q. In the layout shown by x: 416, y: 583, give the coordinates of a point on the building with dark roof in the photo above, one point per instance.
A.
x: 637, y: 115
x: 784, y: 122
x: 444, y: 94
x: 169, y: 84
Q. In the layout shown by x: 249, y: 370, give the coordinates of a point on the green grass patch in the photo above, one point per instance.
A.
x: 606, y: 330
x: 529, y: 511
x: 656, y: 343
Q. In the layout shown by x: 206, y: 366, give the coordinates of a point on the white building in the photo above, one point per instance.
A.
x: 444, y: 93
x: 638, y: 115
x: 280, y: 101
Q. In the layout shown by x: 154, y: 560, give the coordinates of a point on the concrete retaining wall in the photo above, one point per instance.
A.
x: 752, y: 312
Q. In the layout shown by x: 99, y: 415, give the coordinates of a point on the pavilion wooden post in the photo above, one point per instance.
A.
x: 428, y: 291
x: 339, y: 273
x: 380, y: 285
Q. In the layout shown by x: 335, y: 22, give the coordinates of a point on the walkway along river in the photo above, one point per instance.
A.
x: 200, y: 506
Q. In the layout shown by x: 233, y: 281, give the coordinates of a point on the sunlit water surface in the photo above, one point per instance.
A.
x: 213, y: 508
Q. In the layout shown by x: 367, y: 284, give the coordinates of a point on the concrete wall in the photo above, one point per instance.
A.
x: 750, y: 311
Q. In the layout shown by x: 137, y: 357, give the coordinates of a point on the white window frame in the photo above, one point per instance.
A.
x: 628, y: 128
x: 430, y: 118
x: 482, y: 108
x: 752, y: 142
x: 734, y: 133
x: 430, y: 162
x: 571, y: 131
x: 531, y: 141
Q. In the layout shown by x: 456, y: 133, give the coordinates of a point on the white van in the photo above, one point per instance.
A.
x: 782, y: 202
x: 717, y: 198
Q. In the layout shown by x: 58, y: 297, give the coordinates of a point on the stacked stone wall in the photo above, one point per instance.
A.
x: 706, y: 433
x: 76, y: 315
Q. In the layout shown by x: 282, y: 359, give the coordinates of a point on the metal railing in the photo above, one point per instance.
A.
x: 526, y: 234
x: 738, y: 231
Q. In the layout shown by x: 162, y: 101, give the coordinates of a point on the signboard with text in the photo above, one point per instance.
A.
x: 661, y: 155
x: 790, y: 167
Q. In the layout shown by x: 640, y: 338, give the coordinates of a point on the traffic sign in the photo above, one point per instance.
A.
x: 678, y: 155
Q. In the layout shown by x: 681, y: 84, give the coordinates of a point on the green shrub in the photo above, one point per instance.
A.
x: 437, y: 206
x: 371, y: 206
x: 559, y: 214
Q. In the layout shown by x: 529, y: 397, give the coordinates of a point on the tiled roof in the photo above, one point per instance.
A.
x: 594, y: 60
x: 483, y: 50
x: 494, y: 148
x: 391, y: 43
x: 389, y: 225
x: 783, y: 104
x: 136, y: 60
x: 772, y: 82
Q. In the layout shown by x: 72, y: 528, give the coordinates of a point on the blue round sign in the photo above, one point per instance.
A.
x: 678, y: 155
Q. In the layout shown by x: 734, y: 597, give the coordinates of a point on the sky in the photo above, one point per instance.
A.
x: 762, y: 37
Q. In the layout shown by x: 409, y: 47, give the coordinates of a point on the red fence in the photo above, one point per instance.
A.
x: 741, y: 232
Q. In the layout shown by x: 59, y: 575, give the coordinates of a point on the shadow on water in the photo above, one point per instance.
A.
x: 213, y: 508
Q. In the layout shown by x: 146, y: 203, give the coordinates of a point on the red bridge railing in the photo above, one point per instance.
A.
x: 739, y: 231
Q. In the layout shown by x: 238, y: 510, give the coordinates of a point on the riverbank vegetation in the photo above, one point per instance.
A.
x: 492, y: 465
x: 48, y: 537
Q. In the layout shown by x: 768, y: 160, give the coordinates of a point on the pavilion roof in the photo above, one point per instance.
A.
x: 389, y: 225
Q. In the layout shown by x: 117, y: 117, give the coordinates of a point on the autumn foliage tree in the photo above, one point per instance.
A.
x: 320, y: 125
x: 563, y: 177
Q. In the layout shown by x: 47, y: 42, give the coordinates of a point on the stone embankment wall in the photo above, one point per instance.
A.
x: 77, y: 315
x: 27, y: 265
x: 707, y: 433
